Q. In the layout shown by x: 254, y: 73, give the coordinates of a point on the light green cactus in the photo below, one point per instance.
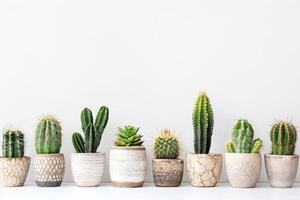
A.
x: 166, y: 145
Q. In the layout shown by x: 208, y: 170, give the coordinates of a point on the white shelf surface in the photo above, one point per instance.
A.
x: 223, y: 191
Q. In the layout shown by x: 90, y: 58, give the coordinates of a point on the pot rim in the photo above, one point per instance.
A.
x: 227, y: 153
x: 129, y: 148
x: 176, y: 159
x: 21, y: 158
x: 205, y: 154
x: 280, y: 156
x: 89, y: 154
x: 49, y: 155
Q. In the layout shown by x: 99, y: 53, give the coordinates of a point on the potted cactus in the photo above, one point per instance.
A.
x: 127, y: 163
x: 282, y: 164
x: 166, y: 167
x: 243, y: 160
x: 13, y: 164
x: 87, y: 164
x: 49, y: 164
x: 204, y: 168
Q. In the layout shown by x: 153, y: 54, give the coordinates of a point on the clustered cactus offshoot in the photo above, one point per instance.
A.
x: 129, y: 136
x: 13, y: 144
x: 166, y: 145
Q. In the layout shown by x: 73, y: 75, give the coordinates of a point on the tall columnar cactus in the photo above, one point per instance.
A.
x: 203, y: 122
x: 283, y: 136
x: 13, y: 144
x: 48, y: 136
x: 92, y: 131
x: 242, y: 139
x: 166, y: 145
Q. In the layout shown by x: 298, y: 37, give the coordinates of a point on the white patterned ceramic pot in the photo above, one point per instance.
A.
x: 49, y: 169
x: 281, y: 169
x: 13, y: 171
x: 204, y: 169
x: 127, y: 166
x: 87, y: 168
x: 243, y: 169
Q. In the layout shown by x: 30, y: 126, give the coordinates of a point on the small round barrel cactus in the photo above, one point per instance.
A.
x: 13, y: 144
x: 129, y: 136
x: 166, y: 145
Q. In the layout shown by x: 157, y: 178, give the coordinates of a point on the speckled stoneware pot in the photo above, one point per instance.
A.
x: 127, y: 166
x: 49, y: 169
x: 204, y: 169
x: 281, y: 169
x: 167, y: 172
x: 13, y: 171
x: 243, y: 169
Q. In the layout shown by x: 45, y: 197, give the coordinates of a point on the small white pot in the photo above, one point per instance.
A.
x: 87, y: 168
x: 281, y: 169
x: 127, y: 166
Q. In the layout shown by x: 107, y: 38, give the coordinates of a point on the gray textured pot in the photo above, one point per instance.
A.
x: 281, y: 169
x: 167, y: 172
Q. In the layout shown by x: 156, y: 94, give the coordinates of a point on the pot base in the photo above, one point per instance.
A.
x: 48, y: 183
x: 127, y: 184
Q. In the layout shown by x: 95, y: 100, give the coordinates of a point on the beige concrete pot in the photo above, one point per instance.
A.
x: 281, y: 169
x: 49, y: 169
x: 13, y: 171
x: 167, y: 172
x: 204, y: 169
x: 243, y: 169
x: 127, y: 166
x: 87, y: 168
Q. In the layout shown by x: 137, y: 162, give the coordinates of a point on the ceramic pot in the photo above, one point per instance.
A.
x: 243, y: 169
x: 49, y: 169
x: 167, y: 172
x: 87, y: 168
x: 127, y: 166
x: 281, y: 169
x: 13, y: 171
x: 204, y: 169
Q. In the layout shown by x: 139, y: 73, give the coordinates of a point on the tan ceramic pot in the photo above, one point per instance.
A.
x: 13, y: 171
x: 243, y: 169
x: 49, y: 169
x: 204, y: 169
x: 167, y: 172
x: 281, y: 169
x: 127, y: 166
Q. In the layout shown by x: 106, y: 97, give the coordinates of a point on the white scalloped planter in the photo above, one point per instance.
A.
x: 87, y: 168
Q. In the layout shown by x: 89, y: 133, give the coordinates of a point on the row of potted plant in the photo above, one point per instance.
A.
x: 127, y: 161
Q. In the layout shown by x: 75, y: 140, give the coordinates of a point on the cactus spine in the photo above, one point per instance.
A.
x: 203, y: 123
x: 166, y: 145
x: 283, y: 136
x: 13, y: 144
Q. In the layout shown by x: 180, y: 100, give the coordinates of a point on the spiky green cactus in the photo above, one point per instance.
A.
x: 13, y: 144
x: 242, y: 139
x: 283, y: 136
x: 128, y: 136
x: 166, y: 145
x: 48, y: 136
x: 203, y: 123
x: 92, y: 131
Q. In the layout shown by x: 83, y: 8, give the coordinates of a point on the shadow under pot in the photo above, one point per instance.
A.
x: 204, y: 169
x: 281, y: 169
x: 243, y: 169
x: 127, y: 166
x: 49, y: 169
x: 167, y: 172
x: 87, y: 168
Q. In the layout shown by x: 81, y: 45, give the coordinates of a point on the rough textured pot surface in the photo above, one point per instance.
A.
x: 49, y: 169
x: 87, y: 168
x: 167, y: 172
x: 13, y: 171
x: 243, y: 169
x: 281, y: 169
x: 204, y: 169
x: 127, y: 166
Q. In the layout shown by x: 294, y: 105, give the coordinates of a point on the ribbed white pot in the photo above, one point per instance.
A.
x: 128, y: 166
x: 87, y: 168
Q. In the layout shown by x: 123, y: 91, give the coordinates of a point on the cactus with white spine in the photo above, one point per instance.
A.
x: 166, y: 145
x: 13, y: 144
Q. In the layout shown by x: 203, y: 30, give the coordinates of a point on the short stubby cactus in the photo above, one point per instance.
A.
x: 166, y: 145
x: 242, y: 139
x: 283, y: 136
x: 129, y: 136
x: 48, y: 136
x: 13, y: 144
x: 203, y: 123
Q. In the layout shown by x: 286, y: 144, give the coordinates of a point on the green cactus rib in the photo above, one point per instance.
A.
x: 128, y: 136
x: 13, y: 144
x: 256, y: 145
x: 230, y: 147
x: 78, y: 142
x: 166, y: 145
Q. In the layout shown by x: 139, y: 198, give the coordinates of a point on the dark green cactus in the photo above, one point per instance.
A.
x: 203, y: 123
x: 13, y: 144
x: 48, y: 136
x: 129, y: 136
x: 283, y: 136
x: 92, y: 131
x: 166, y: 145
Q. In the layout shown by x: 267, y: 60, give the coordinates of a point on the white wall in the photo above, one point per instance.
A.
x: 147, y: 61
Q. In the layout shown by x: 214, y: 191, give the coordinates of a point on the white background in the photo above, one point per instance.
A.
x: 147, y: 61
